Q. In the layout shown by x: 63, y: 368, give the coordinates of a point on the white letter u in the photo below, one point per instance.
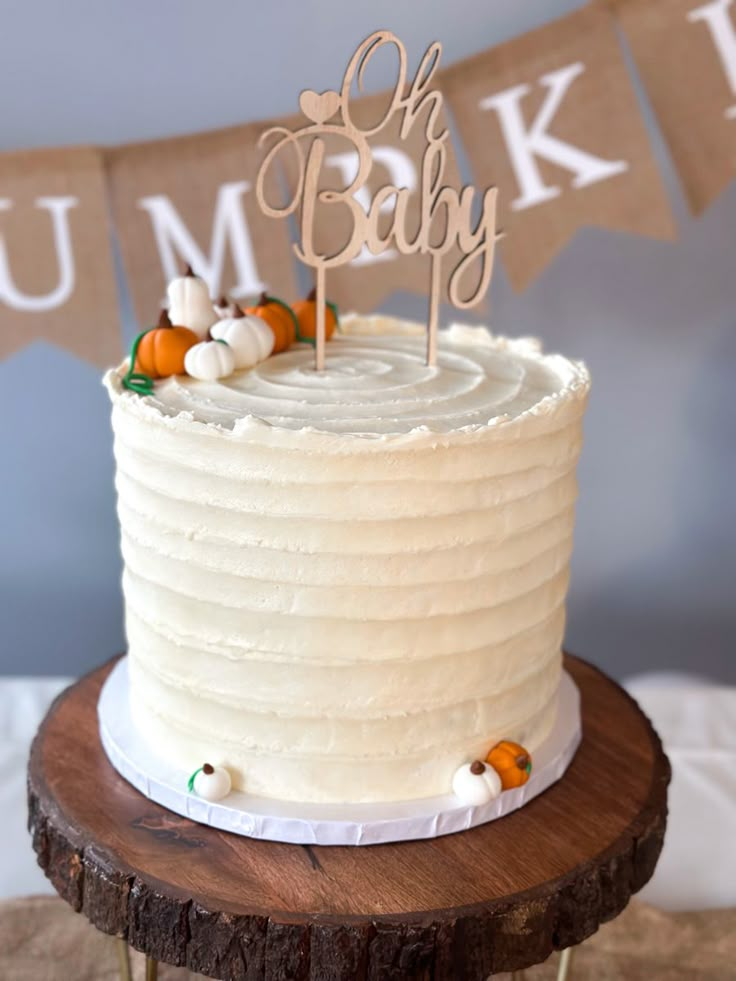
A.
x: 58, y: 208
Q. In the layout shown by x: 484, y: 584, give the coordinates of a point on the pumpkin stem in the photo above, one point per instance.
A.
x: 312, y: 294
x: 477, y: 767
x: 238, y: 312
x: 163, y: 318
x: 522, y: 761
x: 263, y: 299
x: 208, y: 769
x: 223, y: 301
x: 188, y: 271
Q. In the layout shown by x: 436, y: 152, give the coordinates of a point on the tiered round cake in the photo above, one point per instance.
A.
x: 343, y: 585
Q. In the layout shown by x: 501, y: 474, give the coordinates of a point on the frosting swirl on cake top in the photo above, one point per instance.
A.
x: 376, y: 385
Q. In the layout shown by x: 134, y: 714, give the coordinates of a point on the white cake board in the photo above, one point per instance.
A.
x: 322, y: 824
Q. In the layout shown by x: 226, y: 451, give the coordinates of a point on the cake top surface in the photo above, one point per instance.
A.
x: 376, y: 383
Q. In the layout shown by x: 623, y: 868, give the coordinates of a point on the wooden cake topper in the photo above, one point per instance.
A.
x: 446, y: 215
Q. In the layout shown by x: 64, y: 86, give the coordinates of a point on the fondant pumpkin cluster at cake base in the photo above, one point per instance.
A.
x: 506, y: 766
x: 210, y: 341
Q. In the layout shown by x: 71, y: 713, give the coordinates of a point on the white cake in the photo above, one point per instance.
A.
x: 343, y: 585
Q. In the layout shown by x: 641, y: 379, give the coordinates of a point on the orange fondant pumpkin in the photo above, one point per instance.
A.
x: 511, y: 762
x: 161, y: 350
x: 306, y: 314
x: 280, y: 318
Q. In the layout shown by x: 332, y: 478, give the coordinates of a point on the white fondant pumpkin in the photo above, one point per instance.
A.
x: 250, y: 337
x: 209, y: 360
x: 476, y: 783
x: 212, y: 782
x: 190, y: 304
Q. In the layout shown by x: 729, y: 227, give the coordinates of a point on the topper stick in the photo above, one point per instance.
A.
x: 320, y: 330
x: 434, y: 305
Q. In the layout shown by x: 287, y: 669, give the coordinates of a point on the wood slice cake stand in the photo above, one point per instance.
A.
x: 499, y: 897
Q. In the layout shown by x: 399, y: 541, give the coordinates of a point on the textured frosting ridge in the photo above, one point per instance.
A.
x: 343, y: 585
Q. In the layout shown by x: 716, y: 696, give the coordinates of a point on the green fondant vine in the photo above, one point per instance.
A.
x: 190, y: 781
x: 133, y: 380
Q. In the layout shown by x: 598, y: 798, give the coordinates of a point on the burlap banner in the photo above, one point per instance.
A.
x: 56, y: 276
x: 552, y: 119
x: 686, y: 53
x: 190, y: 200
x: 366, y: 281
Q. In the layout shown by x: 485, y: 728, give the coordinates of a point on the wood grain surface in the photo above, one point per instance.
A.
x: 458, y: 908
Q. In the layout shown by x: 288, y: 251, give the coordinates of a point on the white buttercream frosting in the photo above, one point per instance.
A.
x: 373, y: 388
x: 344, y: 585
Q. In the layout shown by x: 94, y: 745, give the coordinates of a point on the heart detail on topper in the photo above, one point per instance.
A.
x: 319, y: 106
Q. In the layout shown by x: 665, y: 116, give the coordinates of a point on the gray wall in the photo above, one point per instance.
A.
x: 653, y: 577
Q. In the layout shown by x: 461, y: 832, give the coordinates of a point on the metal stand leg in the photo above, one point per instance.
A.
x: 563, y: 968
x: 151, y: 969
x: 123, y: 959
